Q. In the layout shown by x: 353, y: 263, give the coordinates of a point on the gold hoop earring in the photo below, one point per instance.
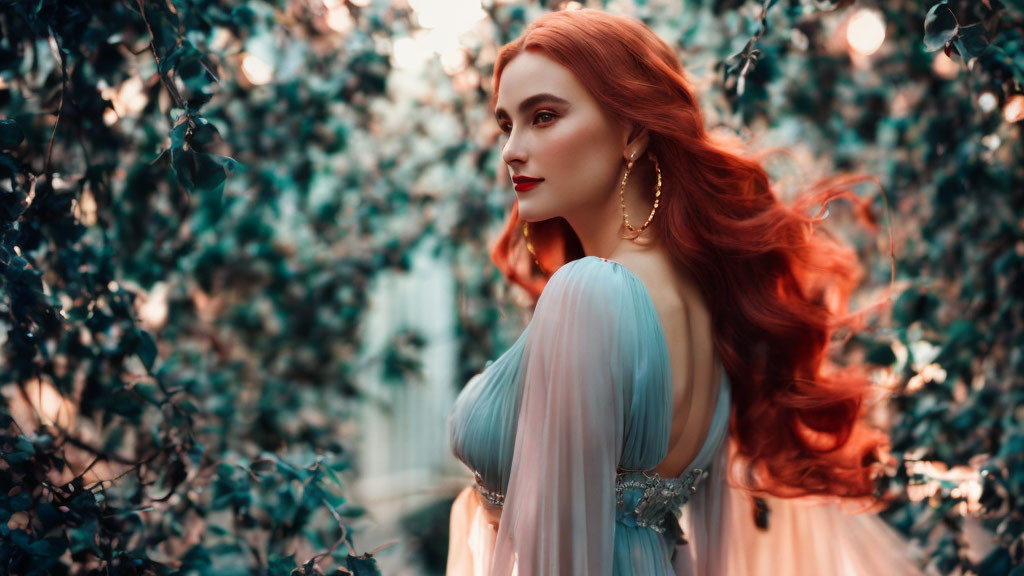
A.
x: 657, y: 195
x: 529, y: 246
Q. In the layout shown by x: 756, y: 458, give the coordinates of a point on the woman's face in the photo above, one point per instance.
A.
x: 559, y: 133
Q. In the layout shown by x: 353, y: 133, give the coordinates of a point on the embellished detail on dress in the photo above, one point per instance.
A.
x: 493, y: 498
x: 646, y: 499
x: 642, y: 498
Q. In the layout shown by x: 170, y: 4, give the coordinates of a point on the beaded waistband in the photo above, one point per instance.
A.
x: 643, y: 498
x: 493, y: 498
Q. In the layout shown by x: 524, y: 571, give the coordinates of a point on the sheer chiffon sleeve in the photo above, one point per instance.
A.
x: 581, y: 362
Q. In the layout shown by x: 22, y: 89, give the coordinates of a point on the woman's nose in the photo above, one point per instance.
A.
x: 513, y: 151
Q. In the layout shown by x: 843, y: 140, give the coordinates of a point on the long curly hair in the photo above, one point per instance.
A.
x: 777, y: 285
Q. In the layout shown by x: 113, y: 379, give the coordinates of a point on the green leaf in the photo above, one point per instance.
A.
x: 881, y: 355
x: 204, y: 134
x: 10, y: 135
x: 50, y: 547
x: 84, y: 537
x: 146, y: 349
x: 205, y: 173
x: 8, y: 170
x: 285, y: 467
x: 23, y: 444
x: 113, y: 440
x: 171, y: 59
x: 244, y: 16
x: 148, y: 391
x: 217, y: 530
x: 278, y: 565
x: 21, y: 501
x: 334, y: 476
x: 365, y: 565
x: 971, y: 41
x: 940, y: 26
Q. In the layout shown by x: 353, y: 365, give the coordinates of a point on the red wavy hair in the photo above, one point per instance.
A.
x: 777, y: 285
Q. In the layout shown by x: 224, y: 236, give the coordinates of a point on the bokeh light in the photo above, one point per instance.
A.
x: 445, y: 26
x: 338, y: 16
x: 866, y: 31
x: 256, y: 71
x: 987, y: 101
x: 944, y: 67
x: 1014, y: 109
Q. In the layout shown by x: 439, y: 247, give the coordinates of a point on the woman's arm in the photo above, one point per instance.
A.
x: 579, y: 364
x: 471, y: 535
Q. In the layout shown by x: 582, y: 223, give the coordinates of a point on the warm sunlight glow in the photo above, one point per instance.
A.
x: 338, y: 16
x: 929, y: 373
x: 85, y: 207
x: 966, y: 480
x: 466, y: 81
x: 453, y: 60
x: 944, y: 67
x: 445, y: 24
x: 127, y: 99
x: 152, y: 307
x: 450, y: 16
x: 256, y: 71
x: 866, y: 31
x: 1014, y: 109
x: 45, y: 401
x: 411, y: 52
x: 109, y: 117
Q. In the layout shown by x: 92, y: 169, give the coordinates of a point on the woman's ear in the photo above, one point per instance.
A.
x: 636, y: 144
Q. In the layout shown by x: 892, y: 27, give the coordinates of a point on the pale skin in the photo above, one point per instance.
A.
x: 581, y: 152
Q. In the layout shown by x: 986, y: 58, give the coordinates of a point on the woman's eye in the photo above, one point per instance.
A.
x: 507, y: 127
x: 545, y: 114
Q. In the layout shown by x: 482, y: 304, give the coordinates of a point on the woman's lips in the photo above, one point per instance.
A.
x: 524, y: 186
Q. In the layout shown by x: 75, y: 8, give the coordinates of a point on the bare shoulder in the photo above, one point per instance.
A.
x: 671, y: 287
x: 648, y: 264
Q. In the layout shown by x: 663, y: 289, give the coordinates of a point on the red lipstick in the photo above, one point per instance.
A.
x: 524, y: 183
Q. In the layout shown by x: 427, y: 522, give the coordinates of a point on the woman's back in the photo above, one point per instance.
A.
x: 696, y: 371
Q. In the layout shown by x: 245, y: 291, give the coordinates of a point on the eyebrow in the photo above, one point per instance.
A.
x: 530, y: 102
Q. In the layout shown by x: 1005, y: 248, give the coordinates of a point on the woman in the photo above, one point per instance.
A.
x: 674, y: 367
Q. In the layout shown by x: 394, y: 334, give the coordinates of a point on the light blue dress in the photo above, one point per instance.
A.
x: 559, y: 429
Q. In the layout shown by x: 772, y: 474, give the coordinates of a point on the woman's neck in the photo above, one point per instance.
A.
x: 602, y: 235
x: 601, y: 230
